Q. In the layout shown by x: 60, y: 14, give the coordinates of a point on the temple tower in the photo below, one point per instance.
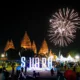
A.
x: 44, y: 48
x: 34, y: 47
x: 51, y: 54
x: 9, y: 45
x: 26, y: 43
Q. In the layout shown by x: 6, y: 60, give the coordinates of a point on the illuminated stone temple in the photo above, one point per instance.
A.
x: 44, y: 48
x: 27, y: 44
x: 9, y: 45
x: 34, y: 48
x: 51, y: 54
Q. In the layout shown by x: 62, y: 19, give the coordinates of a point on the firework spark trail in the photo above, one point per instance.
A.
x: 63, y: 25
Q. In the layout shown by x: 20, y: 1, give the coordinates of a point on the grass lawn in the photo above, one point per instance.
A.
x: 8, y: 68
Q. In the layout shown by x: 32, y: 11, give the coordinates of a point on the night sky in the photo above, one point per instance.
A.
x: 16, y: 18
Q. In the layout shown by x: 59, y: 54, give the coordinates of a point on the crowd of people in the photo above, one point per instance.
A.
x: 70, y: 71
x: 21, y: 75
x: 18, y: 75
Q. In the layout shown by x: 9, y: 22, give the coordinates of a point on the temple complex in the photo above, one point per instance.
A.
x: 27, y: 44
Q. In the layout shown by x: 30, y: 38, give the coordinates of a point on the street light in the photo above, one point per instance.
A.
x: 2, y: 55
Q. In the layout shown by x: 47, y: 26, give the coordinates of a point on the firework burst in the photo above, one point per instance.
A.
x: 63, y: 25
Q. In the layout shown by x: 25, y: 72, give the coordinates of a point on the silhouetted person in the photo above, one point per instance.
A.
x: 74, y: 68
x: 52, y: 72
x: 5, y: 74
x: 0, y: 70
x: 65, y: 67
x: 61, y: 77
x: 34, y: 74
x: 59, y: 73
x: 22, y: 69
x: 21, y: 75
x: 17, y: 74
x: 38, y: 74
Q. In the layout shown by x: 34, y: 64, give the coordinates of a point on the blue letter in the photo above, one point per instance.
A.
x: 23, y: 62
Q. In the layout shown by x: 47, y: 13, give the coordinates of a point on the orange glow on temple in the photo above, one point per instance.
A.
x: 44, y: 48
x: 34, y: 47
x: 9, y: 45
x: 26, y: 43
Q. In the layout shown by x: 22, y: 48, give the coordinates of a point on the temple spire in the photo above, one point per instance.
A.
x: 26, y: 43
x: 51, y: 54
x: 9, y: 45
x: 44, y: 48
x: 34, y: 47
